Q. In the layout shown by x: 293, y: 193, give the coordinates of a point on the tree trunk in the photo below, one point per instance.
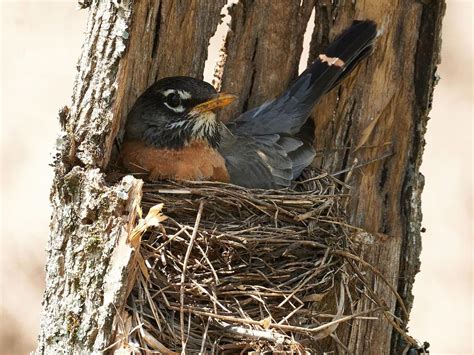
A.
x: 380, y: 111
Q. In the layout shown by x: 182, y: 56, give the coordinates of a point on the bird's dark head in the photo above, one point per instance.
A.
x: 175, y: 111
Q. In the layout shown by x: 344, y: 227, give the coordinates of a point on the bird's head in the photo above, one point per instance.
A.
x: 175, y: 111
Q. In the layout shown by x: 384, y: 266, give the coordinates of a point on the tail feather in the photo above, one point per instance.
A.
x: 350, y: 47
x: 288, y: 113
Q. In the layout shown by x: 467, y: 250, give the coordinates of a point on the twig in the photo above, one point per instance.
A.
x: 183, y: 276
x: 357, y: 166
x: 155, y: 344
x: 275, y: 325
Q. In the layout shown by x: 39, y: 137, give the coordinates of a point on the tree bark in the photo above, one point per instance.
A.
x: 381, y: 110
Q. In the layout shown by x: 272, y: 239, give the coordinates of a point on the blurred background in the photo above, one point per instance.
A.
x: 40, y: 45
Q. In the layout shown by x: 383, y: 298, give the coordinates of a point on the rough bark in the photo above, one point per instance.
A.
x: 89, y: 256
x: 383, y: 108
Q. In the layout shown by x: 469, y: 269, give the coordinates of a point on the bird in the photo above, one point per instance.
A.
x: 172, y: 131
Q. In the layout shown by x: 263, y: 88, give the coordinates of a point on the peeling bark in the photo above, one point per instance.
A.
x: 130, y: 44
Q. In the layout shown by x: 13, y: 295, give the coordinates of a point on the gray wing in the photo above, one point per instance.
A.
x: 269, y: 161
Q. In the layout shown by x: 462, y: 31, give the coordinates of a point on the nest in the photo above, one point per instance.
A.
x: 234, y: 270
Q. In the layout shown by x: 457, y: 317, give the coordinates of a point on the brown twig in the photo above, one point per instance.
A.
x: 183, y: 275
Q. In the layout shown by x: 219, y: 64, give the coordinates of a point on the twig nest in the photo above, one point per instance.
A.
x: 234, y: 269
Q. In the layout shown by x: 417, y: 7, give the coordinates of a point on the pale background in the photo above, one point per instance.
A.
x: 40, y: 44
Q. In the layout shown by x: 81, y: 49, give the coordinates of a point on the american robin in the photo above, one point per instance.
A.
x: 172, y: 130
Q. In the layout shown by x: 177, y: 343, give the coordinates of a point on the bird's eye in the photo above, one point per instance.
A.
x: 173, y: 100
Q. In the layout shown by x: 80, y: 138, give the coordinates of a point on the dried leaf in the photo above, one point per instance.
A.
x: 154, y: 216
x: 152, y: 219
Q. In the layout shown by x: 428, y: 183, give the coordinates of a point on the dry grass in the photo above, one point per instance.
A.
x: 233, y: 270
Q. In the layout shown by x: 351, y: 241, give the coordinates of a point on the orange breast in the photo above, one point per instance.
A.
x: 196, y: 161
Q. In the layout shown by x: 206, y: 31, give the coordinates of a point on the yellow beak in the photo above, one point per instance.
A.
x: 218, y: 101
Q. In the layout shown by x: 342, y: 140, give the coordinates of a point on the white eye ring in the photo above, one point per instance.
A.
x: 183, y: 95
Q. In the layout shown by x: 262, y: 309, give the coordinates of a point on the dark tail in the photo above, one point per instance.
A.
x: 288, y: 113
x: 340, y: 58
